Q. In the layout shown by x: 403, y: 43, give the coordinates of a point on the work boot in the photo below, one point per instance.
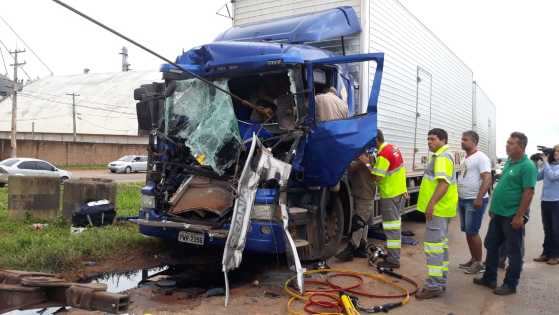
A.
x: 429, y: 293
x: 361, y: 251
x: 466, y: 265
x: 347, y: 253
x: 504, y: 290
x: 481, y: 281
x: 553, y: 261
x: 475, y: 268
x: 542, y: 258
x: 388, y: 264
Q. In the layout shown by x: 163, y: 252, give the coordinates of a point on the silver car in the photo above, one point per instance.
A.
x: 129, y: 164
x: 30, y: 167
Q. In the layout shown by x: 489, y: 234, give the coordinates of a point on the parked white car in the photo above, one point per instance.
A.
x: 30, y: 167
x: 129, y: 164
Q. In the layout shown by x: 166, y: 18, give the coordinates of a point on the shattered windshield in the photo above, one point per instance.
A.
x: 203, y: 117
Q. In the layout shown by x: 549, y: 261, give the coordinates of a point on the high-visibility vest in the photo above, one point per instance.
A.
x: 441, y: 166
x: 389, y: 166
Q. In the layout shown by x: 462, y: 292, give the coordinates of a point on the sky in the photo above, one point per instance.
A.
x: 511, y: 46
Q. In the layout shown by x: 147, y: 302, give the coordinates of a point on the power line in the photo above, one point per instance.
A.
x: 34, y: 118
x: 7, y: 49
x: 103, y: 127
x: 29, y: 47
x: 4, y: 61
x: 70, y: 104
x: 83, y: 101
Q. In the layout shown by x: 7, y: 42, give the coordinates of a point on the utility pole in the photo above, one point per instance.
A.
x: 14, y: 101
x: 73, y: 94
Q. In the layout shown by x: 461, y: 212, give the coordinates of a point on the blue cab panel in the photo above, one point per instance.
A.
x: 319, y: 26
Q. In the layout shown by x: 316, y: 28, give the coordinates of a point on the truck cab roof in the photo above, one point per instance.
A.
x: 227, y: 57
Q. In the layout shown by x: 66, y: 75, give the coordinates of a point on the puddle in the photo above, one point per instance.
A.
x: 119, y: 282
x: 188, y: 280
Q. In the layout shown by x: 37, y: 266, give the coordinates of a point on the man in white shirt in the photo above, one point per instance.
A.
x: 474, y: 182
x: 329, y: 106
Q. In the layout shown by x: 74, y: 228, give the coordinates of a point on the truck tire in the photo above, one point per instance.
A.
x: 325, y: 228
x: 333, y: 226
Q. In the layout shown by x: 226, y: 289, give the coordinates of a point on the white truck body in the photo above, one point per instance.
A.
x: 424, y: 84
x: 484, y: 123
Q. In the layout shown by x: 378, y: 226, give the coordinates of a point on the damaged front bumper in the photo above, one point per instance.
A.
x: 262, y: 237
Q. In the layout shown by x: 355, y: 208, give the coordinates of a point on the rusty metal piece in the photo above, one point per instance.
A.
x: 202, y: 194
x: 26, y: 290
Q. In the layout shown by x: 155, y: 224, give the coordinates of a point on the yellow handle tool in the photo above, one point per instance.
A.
x: 348, y: 305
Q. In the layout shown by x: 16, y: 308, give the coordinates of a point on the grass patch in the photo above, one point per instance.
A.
x: 56, y: 249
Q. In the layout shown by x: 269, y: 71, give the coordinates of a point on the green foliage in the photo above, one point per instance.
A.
x: 54, y: 248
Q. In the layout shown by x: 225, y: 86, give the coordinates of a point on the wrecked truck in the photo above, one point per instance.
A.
x: 217, y: 165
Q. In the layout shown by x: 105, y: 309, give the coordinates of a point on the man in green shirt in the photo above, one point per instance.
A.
x: 511, y: 199
x: 438, y: 199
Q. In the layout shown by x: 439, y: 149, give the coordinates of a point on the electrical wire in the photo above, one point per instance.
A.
x: 103, y: 127
x: 21, y: 67
x: 177, y: 66
x: 81, y: 101
x: 25, y: 94
x: 4, y: 61
x: 27, y: 45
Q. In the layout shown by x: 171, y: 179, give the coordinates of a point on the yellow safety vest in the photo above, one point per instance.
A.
x: 441, y: 166
x: 393, y: 174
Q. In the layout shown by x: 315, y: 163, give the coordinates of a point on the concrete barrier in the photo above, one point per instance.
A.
x: 39, y: 196
x: 80, y: 191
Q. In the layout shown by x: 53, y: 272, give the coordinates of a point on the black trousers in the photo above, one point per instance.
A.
x: 550, y: 219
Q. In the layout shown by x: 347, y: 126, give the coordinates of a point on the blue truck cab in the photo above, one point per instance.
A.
x: 199, y: 135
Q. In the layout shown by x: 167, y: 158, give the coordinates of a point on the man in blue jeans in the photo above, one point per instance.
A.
x: 509, y: 204
x: 474, y: 181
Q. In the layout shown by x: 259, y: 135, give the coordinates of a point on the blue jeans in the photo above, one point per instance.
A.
x: 471, y: 217
x: 550, y: 219
x: 500, y: 232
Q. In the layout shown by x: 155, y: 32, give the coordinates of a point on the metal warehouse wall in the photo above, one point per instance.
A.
x: 484, y: 122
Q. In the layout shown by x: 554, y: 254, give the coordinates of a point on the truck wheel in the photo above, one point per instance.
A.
x: 333, y: 226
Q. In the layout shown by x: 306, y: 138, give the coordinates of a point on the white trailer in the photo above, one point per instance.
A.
x: 484, y: 118
x: 424, y: 85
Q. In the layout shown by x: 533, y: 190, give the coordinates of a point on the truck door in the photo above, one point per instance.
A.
x: 422, y: 118
x: 331, y: 145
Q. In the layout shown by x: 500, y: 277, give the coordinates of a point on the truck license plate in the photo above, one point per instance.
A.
x: 191, y: 238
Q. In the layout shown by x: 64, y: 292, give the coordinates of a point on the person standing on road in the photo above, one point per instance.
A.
x: 438, y: 199
x: 390, y: 174
x: 509, y: 204
x: 549, y: 173
x: 473, y: 184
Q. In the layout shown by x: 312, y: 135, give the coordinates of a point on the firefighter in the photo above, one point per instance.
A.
x: 390, y: 174
x: 438, y: 199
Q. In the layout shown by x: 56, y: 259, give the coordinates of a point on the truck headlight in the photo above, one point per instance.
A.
x: 148, y: 202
